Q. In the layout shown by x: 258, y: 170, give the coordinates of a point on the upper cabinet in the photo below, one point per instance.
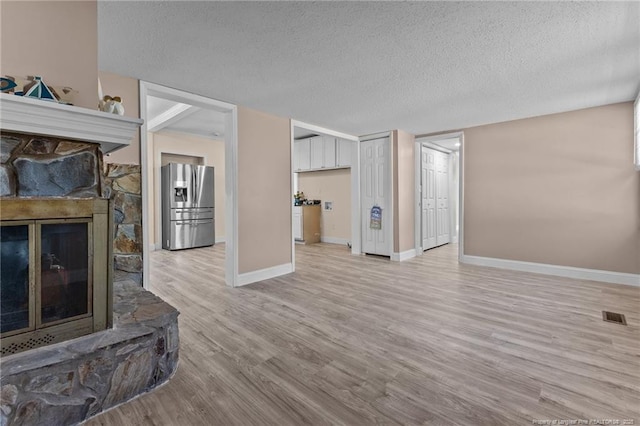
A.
x: 343, y: 152
x: 321, y: 152
x: 302, y: 155
x: 328, y: 152
x: 317, y: 152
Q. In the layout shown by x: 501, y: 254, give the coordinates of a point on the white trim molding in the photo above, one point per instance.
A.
x: 111, y: 131
x: 636, y: 133
x: 378, y: 135
x: 334, y: 240
x: 355, y: 182
x: 556, y: 270
x: 264, y: 274
x: 404, y: 255
x: 323, y: 130
x: 231, y: 173
x: 429, y: 142
x: 170, y: 116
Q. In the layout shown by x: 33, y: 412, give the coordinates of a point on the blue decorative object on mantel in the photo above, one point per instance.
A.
x: 7, y: 85
x: 39, y: 90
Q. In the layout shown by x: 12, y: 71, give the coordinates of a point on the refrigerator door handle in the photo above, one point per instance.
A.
x: 193, y: 187
x: 196, y: 175
x: 194, y: 222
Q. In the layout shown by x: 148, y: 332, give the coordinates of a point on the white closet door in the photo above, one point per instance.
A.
x: 428, y: 197
x: 442, y: 198
x: 375, y: 191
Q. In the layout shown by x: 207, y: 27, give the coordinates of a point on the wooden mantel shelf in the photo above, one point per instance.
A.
x: 111, y: 131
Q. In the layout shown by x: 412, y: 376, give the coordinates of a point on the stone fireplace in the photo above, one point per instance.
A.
x: 54, y: 275
x: 78, y: 333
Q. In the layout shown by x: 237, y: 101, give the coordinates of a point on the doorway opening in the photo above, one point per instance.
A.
x: 188, y: 132
x: 324, y: 174
x: 438, y: 218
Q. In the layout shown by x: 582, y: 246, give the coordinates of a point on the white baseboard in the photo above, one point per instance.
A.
x: 264, y: 274
x: 560, y: 271
x: 399, y: 257
x: 334, y: 240
x: 220, y: 240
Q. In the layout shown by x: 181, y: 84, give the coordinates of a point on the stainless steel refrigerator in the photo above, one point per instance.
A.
x: 188, y: 208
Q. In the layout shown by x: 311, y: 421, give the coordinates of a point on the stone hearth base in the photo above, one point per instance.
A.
x: 71, y: 381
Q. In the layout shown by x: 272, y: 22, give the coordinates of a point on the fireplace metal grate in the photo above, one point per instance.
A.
x: 28, y: 344
x: 614, y: 317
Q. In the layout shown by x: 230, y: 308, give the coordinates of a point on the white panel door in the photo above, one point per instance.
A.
x: 375, y: 191
x: 428, y: 197
x: 442, y: 199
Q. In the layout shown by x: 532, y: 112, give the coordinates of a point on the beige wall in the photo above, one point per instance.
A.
x: 127, y: 89
x: 330, y: 185
x: 264, y: 190
x: 212, y: 153
x: 403, y: 191
x: 56, y: 40
x: 558, y: 189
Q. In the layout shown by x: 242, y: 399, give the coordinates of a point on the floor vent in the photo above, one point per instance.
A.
x: 614, y: 317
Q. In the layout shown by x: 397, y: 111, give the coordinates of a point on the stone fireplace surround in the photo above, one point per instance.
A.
x: 56, y: 150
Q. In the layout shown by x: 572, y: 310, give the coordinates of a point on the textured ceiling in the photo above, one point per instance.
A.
x: 364, y: 67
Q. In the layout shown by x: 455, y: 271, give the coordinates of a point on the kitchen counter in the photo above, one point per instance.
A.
x: 306, y: 223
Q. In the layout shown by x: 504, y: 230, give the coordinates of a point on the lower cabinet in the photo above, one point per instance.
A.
x: 306, y: 223
x: 297, y: 223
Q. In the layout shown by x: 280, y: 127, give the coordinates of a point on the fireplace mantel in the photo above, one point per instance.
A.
x: 111, y: 131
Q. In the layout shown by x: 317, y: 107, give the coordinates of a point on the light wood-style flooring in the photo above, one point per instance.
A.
x: 360, y: 340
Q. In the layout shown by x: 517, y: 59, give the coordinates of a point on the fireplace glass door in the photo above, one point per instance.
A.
x: 64, y: 272
x: 14, y: 278
x: 46, y: 274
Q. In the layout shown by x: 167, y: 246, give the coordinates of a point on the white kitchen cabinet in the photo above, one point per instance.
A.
x: 321, y: 152
x: 328, y: 152
x: 317, y: 152
x: 343, y: 152
x: 302, y: 155
x: 306, y: 223
x: 297, y: 222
